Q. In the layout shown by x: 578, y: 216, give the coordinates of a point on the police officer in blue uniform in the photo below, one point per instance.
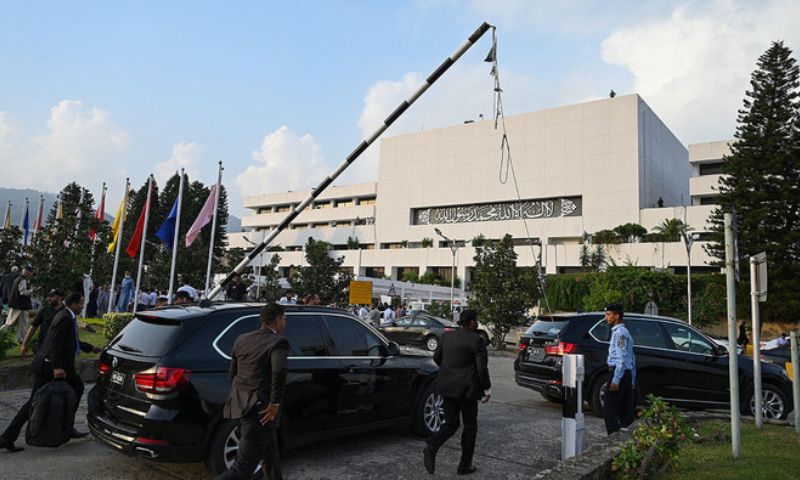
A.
x: 618, y: 404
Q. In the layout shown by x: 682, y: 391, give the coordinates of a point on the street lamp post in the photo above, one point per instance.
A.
x: 689, y: 240
x: 453, y: 248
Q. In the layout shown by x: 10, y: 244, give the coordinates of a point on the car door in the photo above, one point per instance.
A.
x: 420, y: 329
x: 398, y: 331
x: 373, y: 386
x: 697, y: 374
x: 652, y: 355
x: 312, y: 391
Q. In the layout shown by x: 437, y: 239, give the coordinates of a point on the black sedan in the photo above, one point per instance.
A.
x: 674, y: 361
x: 418, y: 329
x: 163, y: 381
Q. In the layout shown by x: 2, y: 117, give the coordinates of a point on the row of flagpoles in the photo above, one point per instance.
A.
x: 167, y: 232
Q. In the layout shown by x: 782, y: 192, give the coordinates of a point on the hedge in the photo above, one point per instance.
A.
x: 633, y: 287
x: 115, y: 322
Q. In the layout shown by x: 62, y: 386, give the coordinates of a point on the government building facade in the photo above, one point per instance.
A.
x: 580, y: 169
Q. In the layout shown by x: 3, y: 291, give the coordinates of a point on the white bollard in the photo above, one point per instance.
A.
x: 573, y: 431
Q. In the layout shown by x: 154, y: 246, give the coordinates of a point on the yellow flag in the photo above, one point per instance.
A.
x: 117, y: 224
x: 60, y: 210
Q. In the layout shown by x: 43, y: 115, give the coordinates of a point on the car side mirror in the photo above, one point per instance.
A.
x: 721, y: 350
x: 392, y: 350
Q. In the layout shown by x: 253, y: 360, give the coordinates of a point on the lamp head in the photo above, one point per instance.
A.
x: 438, y: 232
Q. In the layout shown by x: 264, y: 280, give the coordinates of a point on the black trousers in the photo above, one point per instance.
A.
x: 41, y: 377
x: 257, y: 444
x: 468, y: 411
x: 618, y: 407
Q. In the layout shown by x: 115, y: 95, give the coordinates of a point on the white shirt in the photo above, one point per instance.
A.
x: 144, y: 298
x: 388, y: 316
x: 783, y: 342
x: 190, y: 290
x: 363, y: 312
x: 287, y: 301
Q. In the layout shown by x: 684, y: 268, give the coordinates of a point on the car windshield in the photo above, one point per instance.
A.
x: 149, y: 338
x: 547, y: 326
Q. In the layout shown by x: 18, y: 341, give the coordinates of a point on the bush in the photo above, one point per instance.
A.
x: 655, y: 441
x: 6, y: 342
x: 115, y: 322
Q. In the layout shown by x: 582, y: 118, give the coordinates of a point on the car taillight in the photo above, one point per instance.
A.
x: 523, y: 344
x: 103, y: 368
x: 150, y: 441
x: 161, y: 380
x: 448, y: 329
x: 560, y: 349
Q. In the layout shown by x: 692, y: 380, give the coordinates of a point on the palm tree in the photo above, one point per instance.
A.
x: 671, y: 229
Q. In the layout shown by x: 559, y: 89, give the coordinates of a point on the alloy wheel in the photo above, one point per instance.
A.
x: 231, y: 448
x: 772, y: 406
x: 432, y: 343
x: 433, y: 412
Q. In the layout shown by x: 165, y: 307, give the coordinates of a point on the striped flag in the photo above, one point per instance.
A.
x: 100, y: 213
x: 24, y: 225
x: 60, y: 209
x: 37, y: 225
x: 7, y: 217
x: 205, y: 216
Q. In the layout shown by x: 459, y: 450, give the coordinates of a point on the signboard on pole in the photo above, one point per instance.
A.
x: 360, y: 292
x: 761, y: 276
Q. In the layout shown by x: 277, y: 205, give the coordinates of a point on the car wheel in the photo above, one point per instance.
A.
x: 598, y: 394
x: 430, y: 412
x: 774, y: 403
x: 431, y: 343
x: 223, y: 448
x: 551, y: 398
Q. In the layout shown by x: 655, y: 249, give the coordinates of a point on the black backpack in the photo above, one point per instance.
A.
x: 52, y: 415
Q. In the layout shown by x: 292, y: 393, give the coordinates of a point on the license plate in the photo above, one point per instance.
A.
x: 118, y: 378
x: 535, y: 353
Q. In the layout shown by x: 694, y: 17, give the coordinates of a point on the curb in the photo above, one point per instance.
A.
x: 594, y: 463
x: 19, y: 376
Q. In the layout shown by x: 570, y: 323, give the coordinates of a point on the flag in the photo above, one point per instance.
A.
x: 60, y: 209
x: 101, y: 209
x: 7, y: 218
x: 205, y: 216
x: 24, y: 226
x: 136, y: 239
x: 117, y: 223
x: 166, y: 232
x: 37, y: 225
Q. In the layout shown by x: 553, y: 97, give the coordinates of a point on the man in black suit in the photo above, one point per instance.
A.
x: 258, y: 382
x: 463, y: 379
x: 55, y: 359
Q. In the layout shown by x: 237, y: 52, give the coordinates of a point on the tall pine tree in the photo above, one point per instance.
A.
x: 761, y: 180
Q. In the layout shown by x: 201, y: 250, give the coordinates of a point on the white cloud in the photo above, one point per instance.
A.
x: 184, y: 155
x: 79, y: 144
x: 284, y: 161
x: 463, y: 93
x: 694, y: 67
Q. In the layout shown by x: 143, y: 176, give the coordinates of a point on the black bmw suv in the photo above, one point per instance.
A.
x: 674, y: 361
x: 163, y: 380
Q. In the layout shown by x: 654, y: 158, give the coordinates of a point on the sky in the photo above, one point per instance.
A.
x: 281, y: 92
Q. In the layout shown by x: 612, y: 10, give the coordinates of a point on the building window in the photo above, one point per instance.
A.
x: 714, y: 168
x: 344, y: 203
x: 283, y: 209
x: 393, y: 246
x: 367, y: 201
x: 408, y: 274
x: 709, y: 201
x: 375, y: 272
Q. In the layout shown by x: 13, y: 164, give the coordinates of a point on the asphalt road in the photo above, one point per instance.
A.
x: 519, y: 434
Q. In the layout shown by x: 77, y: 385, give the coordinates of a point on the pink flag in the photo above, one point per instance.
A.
x: 205, y: 216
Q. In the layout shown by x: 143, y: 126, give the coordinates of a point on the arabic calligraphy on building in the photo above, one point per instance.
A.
x: 486, y: 212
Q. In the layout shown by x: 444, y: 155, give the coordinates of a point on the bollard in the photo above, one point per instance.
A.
x: 795, y: 383
x: 573, y: 431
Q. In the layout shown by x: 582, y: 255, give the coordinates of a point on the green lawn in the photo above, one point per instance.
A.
x: 95, y: 338
x: 773, y: 453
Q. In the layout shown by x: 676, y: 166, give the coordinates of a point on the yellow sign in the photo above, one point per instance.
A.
x: 789, y: 367
x: 360, y: 292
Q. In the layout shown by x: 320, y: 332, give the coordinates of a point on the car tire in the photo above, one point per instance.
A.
x: 551, y: 398
x: 431, y: 342
x: 429, y: 412
x: 775, y: 403
x: 223, y: 448
x: 598, y: 392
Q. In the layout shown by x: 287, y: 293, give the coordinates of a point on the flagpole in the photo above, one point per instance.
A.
x: 213, y: 230
x: 142, y: 245
x: 175, y: 240
x: 119, y: 242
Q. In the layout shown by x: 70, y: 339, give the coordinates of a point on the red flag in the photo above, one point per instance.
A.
x: 136, y: 239
x: 100, y: 213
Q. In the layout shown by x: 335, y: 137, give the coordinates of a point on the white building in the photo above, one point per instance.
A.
x: 579, y: 169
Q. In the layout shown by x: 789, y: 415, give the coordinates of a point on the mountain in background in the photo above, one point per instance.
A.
x: 17, y: 197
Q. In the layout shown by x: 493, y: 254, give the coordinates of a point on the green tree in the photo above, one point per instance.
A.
x: 605, y: 237
x: 630, y: 232
x: 670, y: 230
x: 322, y: 275
x: 352, y: 243
x: 270, y: 277
x: 762, y: 177
x: 10, y: 248
x: 502, y: 293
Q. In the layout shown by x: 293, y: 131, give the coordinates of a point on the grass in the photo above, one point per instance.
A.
x: 770, y: 453
x: 96, y: 338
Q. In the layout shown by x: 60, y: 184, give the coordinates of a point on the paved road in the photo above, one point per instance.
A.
x: 518, y: 435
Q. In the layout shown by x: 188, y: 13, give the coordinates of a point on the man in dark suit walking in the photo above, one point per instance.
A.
x: 55, y: 359
x: 463, y: 379
x: 258, y: 382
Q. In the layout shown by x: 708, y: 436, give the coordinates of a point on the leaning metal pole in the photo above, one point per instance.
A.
x: 448, y: 62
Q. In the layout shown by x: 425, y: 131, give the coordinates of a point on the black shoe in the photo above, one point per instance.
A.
x: 429, y: 458
x: 77, y: 434
x: 10, y: 446
x: 466, y: 471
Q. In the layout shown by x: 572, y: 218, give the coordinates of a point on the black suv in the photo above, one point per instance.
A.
x: 163, y: 381
x: 674, y: 361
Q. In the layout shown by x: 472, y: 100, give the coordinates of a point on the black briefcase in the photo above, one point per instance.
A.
x: 52, y: 415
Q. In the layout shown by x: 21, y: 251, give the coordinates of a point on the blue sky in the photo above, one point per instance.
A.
x: 282, y: 91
